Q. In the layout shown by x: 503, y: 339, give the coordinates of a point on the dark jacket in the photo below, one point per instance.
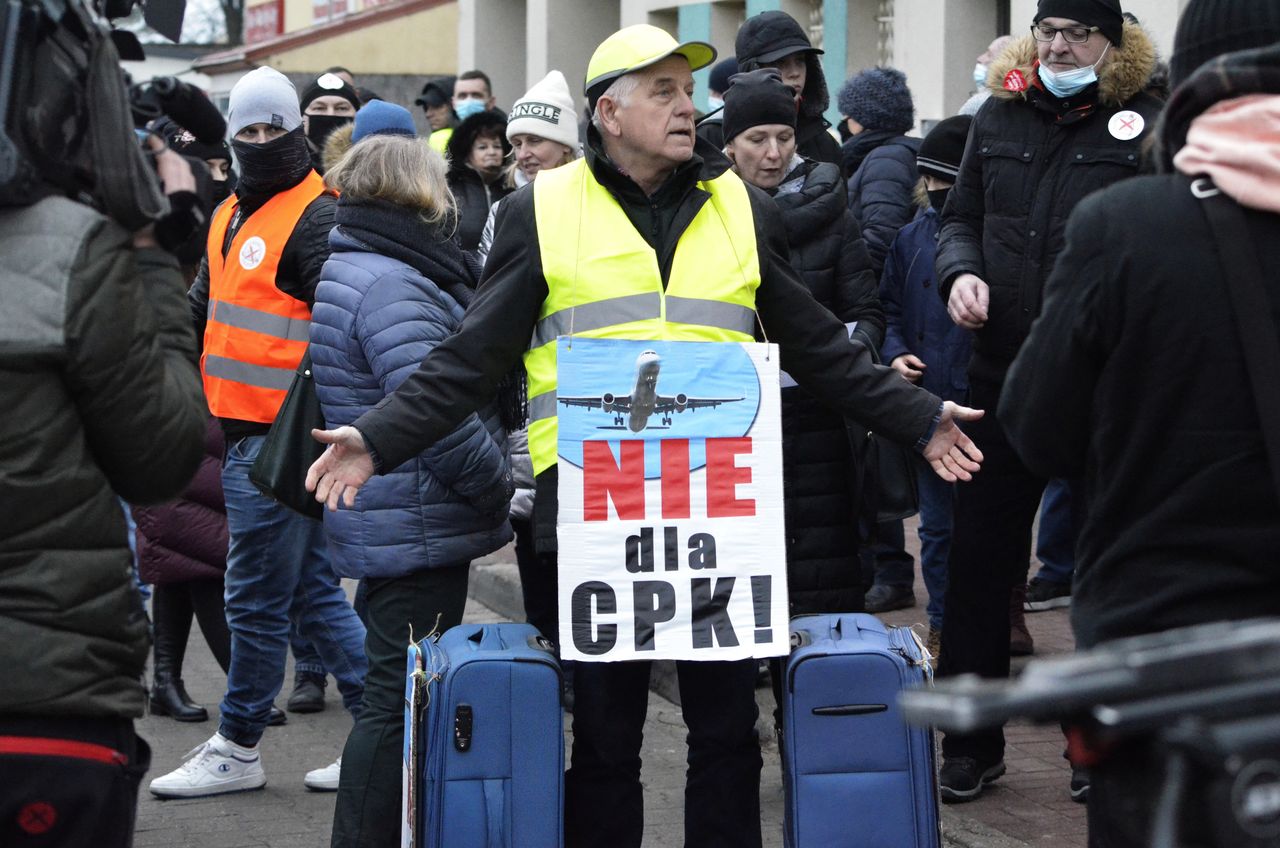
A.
x: 711, y: 128
x: 376, y: 317
x: 1031, y: 158
x: 823, y: 574
x: 102, y: 402
x: 463, y: 372
x: 186, y: 539
x: 299, y: 272
x: 474, y: 198
x: 473, y: 195
x: 916, y: 321
x: 1135, y: 377
x: 882, y: 189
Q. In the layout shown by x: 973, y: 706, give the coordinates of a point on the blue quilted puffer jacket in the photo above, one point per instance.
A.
x: 375, y: 319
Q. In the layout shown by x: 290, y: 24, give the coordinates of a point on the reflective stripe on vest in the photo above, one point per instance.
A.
x: 255, y: 334
x: 603, y: 279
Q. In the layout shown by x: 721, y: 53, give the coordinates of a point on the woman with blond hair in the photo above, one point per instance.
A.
x: 394, y: 287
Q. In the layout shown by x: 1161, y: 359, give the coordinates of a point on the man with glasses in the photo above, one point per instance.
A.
x: 1067, y: 116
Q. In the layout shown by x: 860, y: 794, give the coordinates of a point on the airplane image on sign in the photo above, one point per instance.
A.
x: 644, y: 399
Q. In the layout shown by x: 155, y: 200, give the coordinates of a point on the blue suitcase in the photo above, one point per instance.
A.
x: 855, y: 773
x: 484, y: 740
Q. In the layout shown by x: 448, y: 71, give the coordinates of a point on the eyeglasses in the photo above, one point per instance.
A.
x: 1072, y: 35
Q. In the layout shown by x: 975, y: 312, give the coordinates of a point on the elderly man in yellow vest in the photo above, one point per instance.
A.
x: 650, y: 236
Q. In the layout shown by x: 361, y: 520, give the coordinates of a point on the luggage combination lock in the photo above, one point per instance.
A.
x: 462, y: 721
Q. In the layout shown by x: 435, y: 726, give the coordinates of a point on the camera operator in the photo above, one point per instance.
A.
x: 102, y: 401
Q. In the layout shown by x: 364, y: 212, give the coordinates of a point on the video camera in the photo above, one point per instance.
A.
x: 65, y: 123
x: 1208, y: 697
x: 182, y: 103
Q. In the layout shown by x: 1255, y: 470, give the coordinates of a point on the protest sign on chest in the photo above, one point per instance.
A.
x: 670, y: 522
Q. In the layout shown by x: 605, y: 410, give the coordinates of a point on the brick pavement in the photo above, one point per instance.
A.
x: 1030, y: 806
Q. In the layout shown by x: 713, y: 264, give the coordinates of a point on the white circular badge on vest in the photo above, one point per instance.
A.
x: 1126, y: 125
x: 252, y: 253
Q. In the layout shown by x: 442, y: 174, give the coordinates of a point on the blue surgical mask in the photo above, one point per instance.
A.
x: 1071, y: 82
x: 468, y: 107
x: 980, y: 76
x: 714, y: 103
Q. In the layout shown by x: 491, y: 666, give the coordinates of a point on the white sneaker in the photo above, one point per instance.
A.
x: 214, y: 767
x: 324, y: 779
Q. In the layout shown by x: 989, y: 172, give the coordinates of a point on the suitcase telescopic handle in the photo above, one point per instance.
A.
x: 488, y: 639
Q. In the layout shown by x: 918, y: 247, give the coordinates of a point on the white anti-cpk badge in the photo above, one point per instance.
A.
x: 1126, y: 125
x: 252, y: 253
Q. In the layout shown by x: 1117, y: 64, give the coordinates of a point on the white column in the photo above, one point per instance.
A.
x: 491, y: 37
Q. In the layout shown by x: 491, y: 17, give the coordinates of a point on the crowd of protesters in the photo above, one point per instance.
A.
x: 1038, y: 257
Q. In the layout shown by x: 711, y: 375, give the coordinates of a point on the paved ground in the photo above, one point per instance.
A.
x: 1029, y: 806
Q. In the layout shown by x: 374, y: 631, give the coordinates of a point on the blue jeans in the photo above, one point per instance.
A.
x: 306, y: 659
x: 276, y: 560
x: 936, y: 501
x: 1056, y: 542
x: 890, y: 564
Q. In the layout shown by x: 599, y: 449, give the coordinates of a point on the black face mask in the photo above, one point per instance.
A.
x: 274, y: 166
x: 220, y: 191
x: 320, y: 126
x: 937, y: 197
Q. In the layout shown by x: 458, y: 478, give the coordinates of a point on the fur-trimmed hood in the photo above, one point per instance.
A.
x: 336, y: 145
x: 1119, y: 80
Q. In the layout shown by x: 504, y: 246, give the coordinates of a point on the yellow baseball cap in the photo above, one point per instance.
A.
x: 635, y: 47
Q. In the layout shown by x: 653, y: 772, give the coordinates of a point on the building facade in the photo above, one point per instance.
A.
x: 935, y: 42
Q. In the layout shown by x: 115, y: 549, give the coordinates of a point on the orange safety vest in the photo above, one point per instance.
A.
x: 256, y: 334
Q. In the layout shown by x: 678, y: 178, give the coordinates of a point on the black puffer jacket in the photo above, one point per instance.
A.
x: 818, y: 467
x: 1030, y: 159
x: 882, y: 188
x: 102, y: 401
x: 1135, y: 377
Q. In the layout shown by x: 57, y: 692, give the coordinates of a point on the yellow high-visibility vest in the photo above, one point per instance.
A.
x: 604, y: 282
x: 439, y: 140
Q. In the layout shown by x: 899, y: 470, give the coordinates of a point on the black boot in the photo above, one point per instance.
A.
x: 169, y: 698
x: 307, y: 695
x: 172, y: 626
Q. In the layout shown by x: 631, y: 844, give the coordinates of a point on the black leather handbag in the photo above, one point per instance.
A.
x: 280, y: 470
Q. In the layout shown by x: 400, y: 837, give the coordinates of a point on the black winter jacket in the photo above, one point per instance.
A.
x: 882, y: 191
x: 463, y: 372
x: 102, y: 401
x: 1031, y: 158
x: 474, y: 198
x: 1135, y: 377
x: 823, y: 571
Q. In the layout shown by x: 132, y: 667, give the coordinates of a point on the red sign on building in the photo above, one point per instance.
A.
x: 263, y: 21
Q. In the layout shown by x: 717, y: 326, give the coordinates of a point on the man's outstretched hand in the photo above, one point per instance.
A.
x: 952, y: 454
x: 345, y: 466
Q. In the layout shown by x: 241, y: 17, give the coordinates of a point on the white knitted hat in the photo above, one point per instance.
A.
x: 547, y: 111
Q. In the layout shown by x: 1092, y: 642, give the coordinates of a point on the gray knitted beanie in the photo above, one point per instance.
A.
x: 878, y: 98
x: 263, y: 96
